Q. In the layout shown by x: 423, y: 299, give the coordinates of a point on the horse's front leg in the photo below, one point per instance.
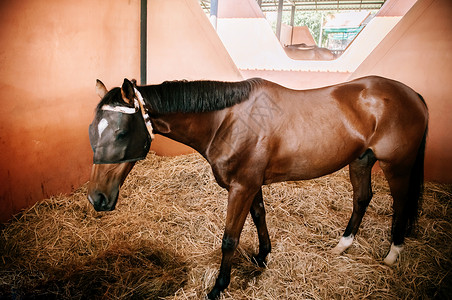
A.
x: 240, y: 199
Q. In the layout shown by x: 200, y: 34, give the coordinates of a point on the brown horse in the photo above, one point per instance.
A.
x: 305, y: 52
x: 256, y: 132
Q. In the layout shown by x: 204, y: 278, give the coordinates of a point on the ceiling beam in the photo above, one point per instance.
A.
x: 279, y: 19
x: 271, y: 5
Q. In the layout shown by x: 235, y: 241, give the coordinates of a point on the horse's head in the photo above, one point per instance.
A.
x: 119, y: 138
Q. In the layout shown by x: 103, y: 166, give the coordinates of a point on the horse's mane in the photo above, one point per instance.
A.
x: 196, y: 96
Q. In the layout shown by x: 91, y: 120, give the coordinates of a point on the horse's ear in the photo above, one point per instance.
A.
x: 127, y: 92
x: 101, y: 90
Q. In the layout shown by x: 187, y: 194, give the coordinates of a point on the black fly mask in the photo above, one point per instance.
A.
x: 119, y: 134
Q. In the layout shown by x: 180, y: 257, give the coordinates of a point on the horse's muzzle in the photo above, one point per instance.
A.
x: 104, y: 184
x: 102, y: 202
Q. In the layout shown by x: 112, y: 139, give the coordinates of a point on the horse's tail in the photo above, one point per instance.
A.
x: 416, y: 188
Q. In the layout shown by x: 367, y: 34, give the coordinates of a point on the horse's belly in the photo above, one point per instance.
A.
x: 299, y: 173
x: 302, y: 165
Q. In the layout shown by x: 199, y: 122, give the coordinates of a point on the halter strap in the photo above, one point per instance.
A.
x: 144, y: 113
x: 138, y: 102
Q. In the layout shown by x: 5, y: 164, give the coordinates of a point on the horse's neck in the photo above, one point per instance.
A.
x: 193, y: 129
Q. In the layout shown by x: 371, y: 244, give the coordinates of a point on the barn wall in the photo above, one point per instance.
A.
x: 417, y: 52
x: 299, y: 80
x: 182, y: 44
x: 239, y: 9
x: 257, y: 52
x: 292, y: 35
x: 301, y: 34
x: 51, y: 53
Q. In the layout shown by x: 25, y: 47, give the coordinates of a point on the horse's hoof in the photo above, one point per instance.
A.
x: 336, y: 251
x: 259, y: 261
x: 344, y: 244
x: 393, y: 255
x: 214, y: 294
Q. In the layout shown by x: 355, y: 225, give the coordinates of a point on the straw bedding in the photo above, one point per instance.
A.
x: 163, y: 242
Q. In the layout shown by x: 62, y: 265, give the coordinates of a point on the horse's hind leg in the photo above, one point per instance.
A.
x: 399, y: 183
x: 258, y: 213
x: 360, y: 177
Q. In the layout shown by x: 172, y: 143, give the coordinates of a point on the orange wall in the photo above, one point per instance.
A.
x: 182, y: 44
x: 417, y: 52
x: 299, y: 80
x: 293, y: 35
x: 395, y: 8
x: 51, y: 53
x: 239, y: 9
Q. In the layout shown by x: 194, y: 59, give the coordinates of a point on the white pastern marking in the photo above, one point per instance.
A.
x: 393, y: 255
x: 101, y: 126
x: 344, y: 243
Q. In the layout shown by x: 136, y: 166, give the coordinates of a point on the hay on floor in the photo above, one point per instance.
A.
x: 164, y: 238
